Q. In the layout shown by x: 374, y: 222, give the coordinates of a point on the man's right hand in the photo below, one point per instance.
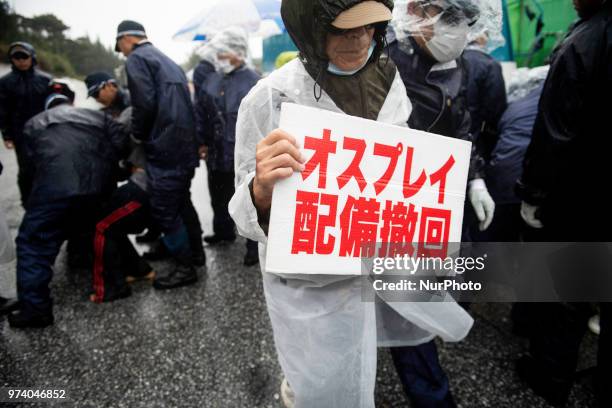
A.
x: 277, y: 157
x: 9, y: 144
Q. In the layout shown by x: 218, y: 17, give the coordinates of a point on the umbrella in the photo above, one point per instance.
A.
x: 270, y: 10
x: 258, y: 17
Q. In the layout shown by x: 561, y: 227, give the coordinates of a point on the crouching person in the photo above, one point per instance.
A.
x: 69, y: 154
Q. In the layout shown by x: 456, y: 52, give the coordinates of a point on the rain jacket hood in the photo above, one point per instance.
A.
x: 306, y: 22
x: 26, y: 46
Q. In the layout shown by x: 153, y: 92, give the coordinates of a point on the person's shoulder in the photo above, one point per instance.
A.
x: 8, y: 77
x: 42, y: 74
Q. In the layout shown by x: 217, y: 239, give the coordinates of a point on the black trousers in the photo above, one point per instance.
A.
x: 44, y: 228
x: 192, y: 224
x: 127, y: 212
x: 422, y: 376
x: 555, y: 343
x: 221, y: 187
x: 557, y: 329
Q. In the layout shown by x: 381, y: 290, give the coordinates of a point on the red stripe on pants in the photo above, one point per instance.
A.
x: 99, y: 240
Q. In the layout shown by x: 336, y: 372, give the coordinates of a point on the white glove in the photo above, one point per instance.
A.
x: 528, y: 213
x: 483, y: 204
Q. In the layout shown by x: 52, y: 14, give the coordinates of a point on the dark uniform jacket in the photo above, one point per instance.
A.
x: 506, y: 164
x: 438, y: 96
x: 163, y: 121
x: 162, y: 116
x: 566, y: 168
x: 217, y: 112
x: 486, y: 97
x: 22, y: 95
x: 71, y: 152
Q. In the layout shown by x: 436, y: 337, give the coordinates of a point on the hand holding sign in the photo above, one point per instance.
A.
x: 277, y: 158
x: 364, y: 182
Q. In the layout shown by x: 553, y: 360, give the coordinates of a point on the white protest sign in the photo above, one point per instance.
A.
x: 365, y: 182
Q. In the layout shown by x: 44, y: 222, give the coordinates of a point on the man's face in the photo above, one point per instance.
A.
x: 586, y: 8
x: 349, y: 50
x: 21, y: 61
x: 126, y: 44
x: 106, y: 95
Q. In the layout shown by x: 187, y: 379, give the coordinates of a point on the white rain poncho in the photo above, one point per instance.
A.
x: 7, y: 261
x: 325, y: 335
x: 233, y: 40
x: 448, y: 25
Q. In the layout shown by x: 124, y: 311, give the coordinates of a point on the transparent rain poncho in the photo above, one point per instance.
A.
x: 448, y: 25
x: 232, y: 40
x: 7, y: 261
x: 325, y: 334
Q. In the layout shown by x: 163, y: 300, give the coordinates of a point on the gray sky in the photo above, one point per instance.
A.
x: 99, y: 19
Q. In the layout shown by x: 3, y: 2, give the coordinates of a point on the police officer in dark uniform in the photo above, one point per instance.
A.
x: 69, y: 154
x: 429, y: 38
x: 216, y: 114
x: 22, y: 95
x: 565, y: 171
x: 163, y: 121
x: 105, y: 90
x: 116, y: 100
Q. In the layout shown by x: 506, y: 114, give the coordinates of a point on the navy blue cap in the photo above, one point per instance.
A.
x: 59, y: 92
x: 24, y: 47
x: 129, y: 27
x: 97, y: 80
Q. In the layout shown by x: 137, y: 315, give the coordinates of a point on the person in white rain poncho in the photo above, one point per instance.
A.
x: 8, y: 289
x: 325, y: 335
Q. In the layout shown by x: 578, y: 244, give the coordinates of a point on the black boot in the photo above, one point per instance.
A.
x: 182, y: 275
x: 553, y: 389
x: 21, y: 320
x: 219, y: 239
x: 199, y: 257
x: 252, y: 255
x: 159, y: 252
x: 197, y: 249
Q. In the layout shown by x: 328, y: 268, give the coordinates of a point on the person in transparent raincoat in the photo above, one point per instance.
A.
x: 8, y: 279
x: 325, y: 335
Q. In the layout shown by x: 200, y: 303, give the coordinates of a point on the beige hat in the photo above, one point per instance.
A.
x: 361, y: 14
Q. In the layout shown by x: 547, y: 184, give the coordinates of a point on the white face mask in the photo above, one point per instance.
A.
x: 448, y: 41
x: 225, y: 66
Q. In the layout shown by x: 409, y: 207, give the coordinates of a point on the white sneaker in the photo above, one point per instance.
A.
x: 594, y: 324
x: 287, y: 395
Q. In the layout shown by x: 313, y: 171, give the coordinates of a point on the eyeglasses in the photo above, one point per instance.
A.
x: 95, y: 94
x: 343, y: 31
x: 20, y: 56
x: 451, y: 15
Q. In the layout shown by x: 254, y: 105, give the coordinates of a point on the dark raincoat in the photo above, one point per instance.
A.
x: 566, y: 167
x: 71, y: 152
x: 217, y: 112
x: 163, y: 120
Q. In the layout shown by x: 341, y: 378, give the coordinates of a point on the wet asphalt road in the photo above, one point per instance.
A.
x: 211, y: 345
